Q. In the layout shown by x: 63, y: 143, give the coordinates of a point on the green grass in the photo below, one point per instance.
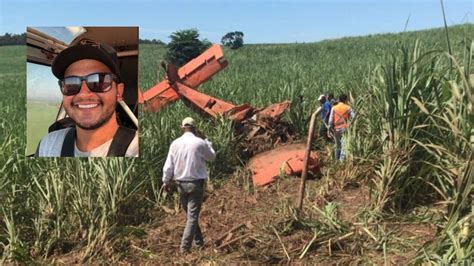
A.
x: 39, y: 116
x: 13, y: 61
x: 411, y: 134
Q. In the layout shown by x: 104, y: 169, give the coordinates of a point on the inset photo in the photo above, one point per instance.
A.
x: 82, y: 91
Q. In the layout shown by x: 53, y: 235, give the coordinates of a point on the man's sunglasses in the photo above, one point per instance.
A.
x: 96, y: 82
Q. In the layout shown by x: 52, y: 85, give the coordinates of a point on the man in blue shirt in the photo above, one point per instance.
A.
x: 324, y: 116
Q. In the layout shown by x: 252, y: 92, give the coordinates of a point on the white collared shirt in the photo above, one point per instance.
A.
x: 187, y: 158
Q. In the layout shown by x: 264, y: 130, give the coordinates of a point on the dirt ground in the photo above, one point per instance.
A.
x: 257, y: 227
x: 242, y: 224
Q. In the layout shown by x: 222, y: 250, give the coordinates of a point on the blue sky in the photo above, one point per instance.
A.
x: 262, y: 21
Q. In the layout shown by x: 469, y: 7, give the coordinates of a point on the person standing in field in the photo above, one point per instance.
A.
x: 326, y: 109
x: 185, y: 165
x: 339, y: 117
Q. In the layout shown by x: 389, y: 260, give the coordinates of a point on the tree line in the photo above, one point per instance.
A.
x: 234, y: 40
x: 184, y: 45
x: 20, y: 39
x: 12, y: 39
x: 152, y: 41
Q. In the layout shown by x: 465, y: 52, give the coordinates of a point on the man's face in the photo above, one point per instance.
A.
x: 88, y: 109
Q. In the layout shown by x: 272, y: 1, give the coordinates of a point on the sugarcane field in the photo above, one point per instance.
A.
x: 347, y: 149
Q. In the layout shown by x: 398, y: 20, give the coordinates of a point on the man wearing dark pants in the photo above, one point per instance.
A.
x: 186, y: 165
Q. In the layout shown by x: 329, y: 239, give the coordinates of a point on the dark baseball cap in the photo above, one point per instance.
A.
x: 86, y: 49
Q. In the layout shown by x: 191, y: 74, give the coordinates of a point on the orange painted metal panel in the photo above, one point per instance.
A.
x: 194, y: 73
x: 288, y: 159
x: 208, y: 104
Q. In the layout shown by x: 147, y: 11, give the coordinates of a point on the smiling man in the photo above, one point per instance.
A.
x: 90, y: 81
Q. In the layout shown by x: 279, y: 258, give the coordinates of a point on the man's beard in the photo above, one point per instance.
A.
x: 101, y: 120
x: 97, y: 125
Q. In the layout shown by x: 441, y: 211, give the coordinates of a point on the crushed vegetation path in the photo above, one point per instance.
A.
x: 262, y: 226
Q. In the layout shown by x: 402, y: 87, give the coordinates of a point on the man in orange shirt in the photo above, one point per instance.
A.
x: 339, y: 117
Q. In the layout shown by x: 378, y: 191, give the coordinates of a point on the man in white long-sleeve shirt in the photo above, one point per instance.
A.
x: 186, y: 165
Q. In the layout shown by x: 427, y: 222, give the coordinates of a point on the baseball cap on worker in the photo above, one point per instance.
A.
x: 322, y: 97
x: 188, y: 122
x: 86, y: 49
